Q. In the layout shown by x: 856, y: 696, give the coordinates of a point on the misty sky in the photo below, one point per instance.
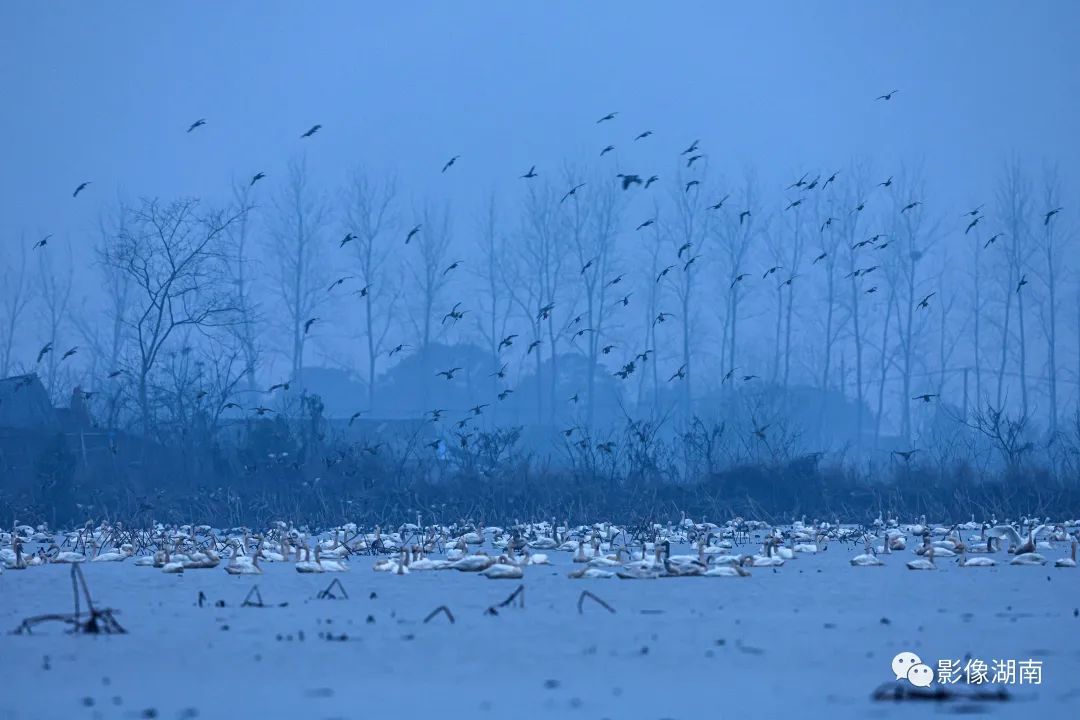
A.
x: 104, y: 92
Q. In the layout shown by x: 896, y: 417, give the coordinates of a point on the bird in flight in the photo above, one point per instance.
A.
x: 531, y: 174
x: 664, y: 272
x: 454, y: 314
x: 397, y: 348
x: 646, y: 224
x: 828, y: 223
x: 354, y: 416
x: 911, y: 206
x: 643, y: 135
x: 720, y: 203
x: 545, y: 312
x: 972, y: 224
x: 679, y: 374
x: 887, y: 96
x: 314, y: 129
x: 349, y: 237
x: 760, y: 432
x: 505, y: 394
x: 609, y: 116
x: 820, y: 257
x: 450, y: 163
x: 771, y: 270
x: 478, y: 409
x: 606, y: 350
x: 739, y: 278
x: 798, y: 183
x: 743, y: 215
x: 693, y: 148
x: 887, y: 183
x: 586, y: 266
x: 831, y: 178
x: 532, y: 346
x: 691, y: 184
x: 279, y: 386
x: 872, y: 290
x: 662, y: 317
x: 69, y: 353
x: 1022, y: 283
x: 1052, y: 213
x: 614, y: 281
x: 44, y: 351
x: 82, y: 186
x: 572, y: 192
x: 693, y: 159
x: 416, y: 229
x: 905, y: 454
x: 925, y: 397
x: 794, y: 204
x: 197, y: 124
x: 628, y: 180
x: 991, y: 241
x: 859, y: 207
x: 606, y: 150
x: 507, y: 341
x: 339, y: 281
x: 308, y: 323
x: 973, y: 213
x: 685, y: 247
x: 690, y: 262
x: 452, y: 266
x: 651, y: 180
x: 42, y: 242
x: 448, y: 374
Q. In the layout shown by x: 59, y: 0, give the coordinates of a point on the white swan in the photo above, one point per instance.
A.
x: 1069, y: 562
x: 503, y: 569
x: 243, y: 564
x: 965, y: 561
x: 1028, y: 558
x: 307, y: 565
x: 727, y: 571
x: 926, y: 563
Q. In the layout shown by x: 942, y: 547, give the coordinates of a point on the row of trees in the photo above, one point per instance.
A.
x: 698, y: 287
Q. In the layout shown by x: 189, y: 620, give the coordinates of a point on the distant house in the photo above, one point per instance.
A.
x: 25, y: 405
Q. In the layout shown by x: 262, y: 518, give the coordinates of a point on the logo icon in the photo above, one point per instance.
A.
x: 909, y: 666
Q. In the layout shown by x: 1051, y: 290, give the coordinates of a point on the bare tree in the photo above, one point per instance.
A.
x: 54, y: 291
x: 240, y: 265
x: 1051, y: 251
x: 16, y: 294
x: 175, y: 256
x: 1014, y: 208
x: 369, y: 218
x: 428, y: 269
x: 297, y: 233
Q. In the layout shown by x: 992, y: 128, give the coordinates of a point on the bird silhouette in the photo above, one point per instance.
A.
x: 256, y: 178
x: 759, y: 432
x: 925, y: 302
x: 693, y: 159
x: 646, y: 224
x: 606, y: 350
x: 719, y: 203
x: 454, y: 314
x: 45, y: 350
x: 798, y: 183
x: 452, y: 266
x: 887, y: 96
x: 871, y: 291
x: 739, y: 278
x: 42, y: 242
x: 743, y: 215
x: 1052, y: 213
x: 789, y: 280
x: 501, y: 372
x: 531, y: 174
x: 412, y: 233
x: 574, y: 398
x: 545, y: 311
x: 820, y: 257
x: 314, y: 129
x: 448, y: 374
x: 362, y: 292
x: 662, y: 317
x: 436, y: 415
x: 69, y: 353
x: 1022, y: 283
x: 690, y: 262
x: 651, y: 180
x: 911, y: 206
x: 794, y: 204
x: 396, y: 349
x: 685, y: 247
x: 532, y: 346
x: 691, y: 184
x: 82, y: 186
x: 925, y: 397
x: 609, y: 116
x: 572, y: 192
x: 831, y: 178
x: 664, y: 272
x: 828, y: 223
x: 450, y: 163
x: 478, y: 409
x: 588, y: 264
x: 349, y: 237
x: 643, y: 135
x: 614, y: 281
x: 887, y: 183
x: 813, y: 183
x: 859, y: 207
x: 606, y: 150
x: 771, y: 270
x: 339, y: 281
x: 693, y: 148
x: 628, y: 180
x: 308, y: 323
x: 507, y: 341
x: 992, y: 240
x: 905, y: 454
x: 972, y: 224
x: 279, y: 386
x: 197, y: 124
x: 625, y: 302
x: 505, y: 394
x: 972, y: 213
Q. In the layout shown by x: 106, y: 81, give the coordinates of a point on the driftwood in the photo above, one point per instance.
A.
x: 441, y: 609
x: 95, y: 621
x: 331, y: 590
x: 587, y: 594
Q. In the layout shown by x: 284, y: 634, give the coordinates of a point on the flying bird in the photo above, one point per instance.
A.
x: 354, y: 416
x: 859, y: 207
x: 820, y: 257
x: 507, y: 341
x: 572, y: 192
x: 615, y: 280
x: 739, y: 278
x: 693, y: 148
x: 651, y: 180
x: 973, y: 213
x: 628, y: 180
x: 905, y: 454
x: 505, y: 394
x: 197, y: 124
x: 69, y: 353
x: 279, y: 386
x: 346, y: 240
x: 664, y: 272
x: 887, y: 96
x: 872, y: 290
x: 1022, y: 283
x: 416, y: 229
x: 910, y: 206
x: 831, y: 178
x: 760, y: 432
x: 396, y: 349
x: 314, y: 129
x: 828, y: 223
x: 532, y: 346
x: 662, y: 317
x: 692, y: 159
x: 794, y: 204
x: 690, y: 262
x: 743, y: 215
x: 925, y: 397
x: 690, y: 184
x: 448, y: 374
x: 609, y: 116
x: 720, y: 203
x: 887, y: 183
x: 44, y: 351
x: 42, y: 242
x: 991, y: 241
x: 586, y: 266
x: 771, y: 270
x: 450, y: 163
x: 606, y: 150
x: 308, y: 323
x: 545, y: 312
x: 531, y: 174
x: 256, y: 178
x: 798, y: 183
x: 452, y: 266
x: 643, y: 135
x: 1052, y: 213
x: 685, y: 247
x: 501, y: 372
x: 82, y: 186
x: 339, y: 281
x: 925, y: 302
